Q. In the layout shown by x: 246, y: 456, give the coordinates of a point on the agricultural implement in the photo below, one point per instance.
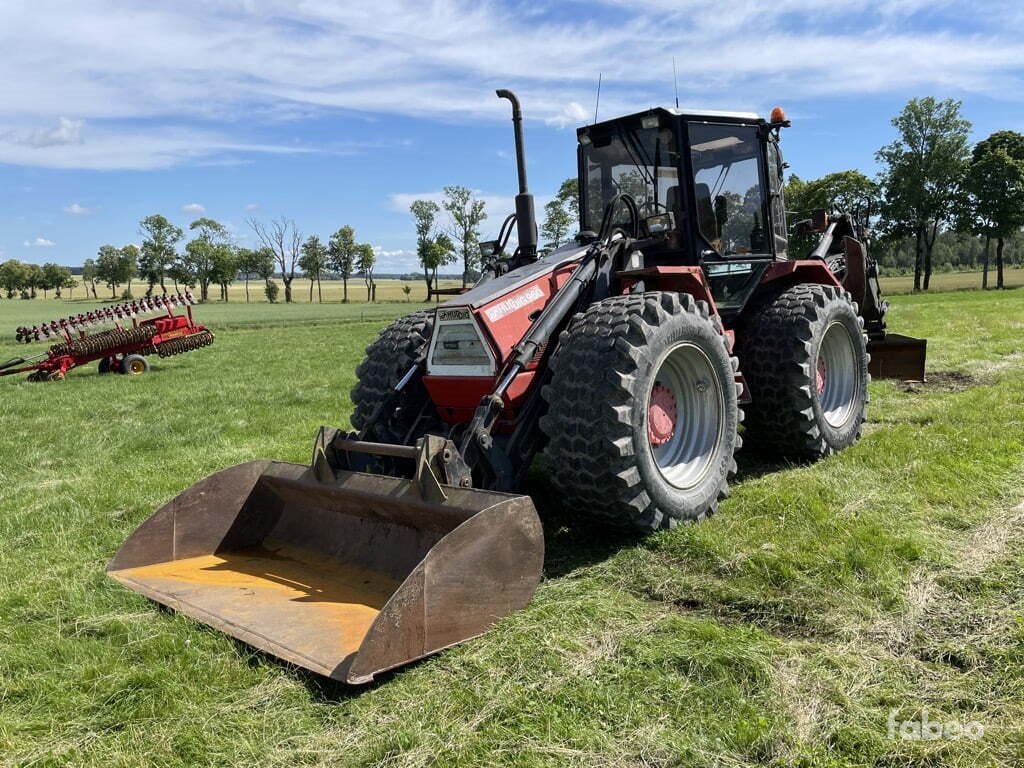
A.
x: 122, y: 347
x: 628, y: 357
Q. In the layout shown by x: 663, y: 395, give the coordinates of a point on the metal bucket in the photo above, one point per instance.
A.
x: 347, y: 578
x: 898, y: 357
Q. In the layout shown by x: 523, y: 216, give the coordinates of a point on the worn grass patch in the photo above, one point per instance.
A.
x: 783, y: 631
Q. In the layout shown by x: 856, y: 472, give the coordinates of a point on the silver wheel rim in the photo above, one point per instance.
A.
x: 837, y: 375
x: 685, y: 458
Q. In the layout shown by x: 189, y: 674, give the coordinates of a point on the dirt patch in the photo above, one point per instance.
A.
x: 944, y: 381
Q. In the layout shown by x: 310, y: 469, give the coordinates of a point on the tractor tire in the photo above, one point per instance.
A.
x: 626, y: 373
x: 134, y: 365
x: 387, y: 360
x: 803, y: 354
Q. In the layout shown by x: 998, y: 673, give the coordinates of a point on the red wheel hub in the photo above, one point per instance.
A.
x: 821, y: 375
x: 661, y: 415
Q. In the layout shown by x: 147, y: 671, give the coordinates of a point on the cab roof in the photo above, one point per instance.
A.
x: 695, y: 115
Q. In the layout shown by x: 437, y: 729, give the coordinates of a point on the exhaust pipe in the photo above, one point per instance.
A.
x: 526, y: 219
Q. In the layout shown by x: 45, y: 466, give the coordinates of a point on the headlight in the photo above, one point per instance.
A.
x: 457, y: 348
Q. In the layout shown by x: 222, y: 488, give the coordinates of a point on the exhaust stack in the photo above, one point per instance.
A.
x: 526, y: 220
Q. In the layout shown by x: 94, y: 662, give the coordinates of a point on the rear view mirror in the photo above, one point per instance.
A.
x: 489, y: 248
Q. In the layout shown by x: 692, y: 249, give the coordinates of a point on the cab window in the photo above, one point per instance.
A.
x: 728, y: 189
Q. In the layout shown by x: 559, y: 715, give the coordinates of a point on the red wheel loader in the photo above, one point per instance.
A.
x: 628, y: 357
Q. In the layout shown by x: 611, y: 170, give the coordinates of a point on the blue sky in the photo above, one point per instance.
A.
x: 336, y: 113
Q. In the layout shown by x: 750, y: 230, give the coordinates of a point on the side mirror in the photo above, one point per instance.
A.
x: 819, y: 220
x: 721, y: 211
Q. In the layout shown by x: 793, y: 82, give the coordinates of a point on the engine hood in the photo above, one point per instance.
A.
x: 484, y: 293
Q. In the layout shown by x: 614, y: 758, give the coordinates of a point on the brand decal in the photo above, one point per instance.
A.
x: 447, y: 315
x: 512, y: 303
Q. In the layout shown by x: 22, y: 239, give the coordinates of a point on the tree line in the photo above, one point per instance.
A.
x: 937, y: 202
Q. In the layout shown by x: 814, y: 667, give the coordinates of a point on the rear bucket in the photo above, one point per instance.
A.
x: 346, y: 578
x: 898, y: 357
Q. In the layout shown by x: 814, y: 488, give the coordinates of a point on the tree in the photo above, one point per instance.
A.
x: 313, y: 262
x: 89, y: 276
x: 440, y: 251
x: 284, y: 240
x: 71, y: 284
x: 341, y: 254
x: 466, y: 214
x: 245, y: 260
x: 569, y: 196
x: 366, y: 260
x: 203, y: 253
x: 112, y: 268
x: 407, y: 289
x: 225, y: 268
x: 13, y: 276
x: 994, y: 199
x: 129, y: 263
x: 159, y: 242
x: 263, y: 265
x: 33, y: 280
x: 55, y: 277
x: 923, y: 175
x: 557, y: 221
x: 425, y: 212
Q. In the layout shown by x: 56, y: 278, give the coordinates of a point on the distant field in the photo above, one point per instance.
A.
x: 391, y: 290
x: 952, y: 281
x: 820, y: 600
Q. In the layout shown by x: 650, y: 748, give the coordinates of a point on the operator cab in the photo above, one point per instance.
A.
x: 707, y: 188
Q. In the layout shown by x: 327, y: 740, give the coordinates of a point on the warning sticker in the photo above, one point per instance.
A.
x: 512, y: 303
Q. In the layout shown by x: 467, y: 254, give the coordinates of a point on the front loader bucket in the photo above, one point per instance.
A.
x: 347, y: 578
x: 898, y: 357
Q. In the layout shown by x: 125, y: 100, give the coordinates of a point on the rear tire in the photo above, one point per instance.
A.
x: 804, y: 356
x: 104, y: 366
x: 387, y: 360
x: 630, y: 375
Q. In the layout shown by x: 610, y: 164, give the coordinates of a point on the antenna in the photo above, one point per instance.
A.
x: 598, y: 102
x: 675, y: 79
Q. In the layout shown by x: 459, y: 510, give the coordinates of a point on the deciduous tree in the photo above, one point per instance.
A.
x: 424, y: 213
x: 313, y: 262
x: 284, y: 240
x: 466, y: 213
x: 159, y: 242
x: 341, y: 254
x: 923, y: 175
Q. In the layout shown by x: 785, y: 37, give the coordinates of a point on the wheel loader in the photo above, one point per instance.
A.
x: 628, y: 358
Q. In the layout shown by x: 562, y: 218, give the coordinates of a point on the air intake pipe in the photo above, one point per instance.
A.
x: 526, y: 219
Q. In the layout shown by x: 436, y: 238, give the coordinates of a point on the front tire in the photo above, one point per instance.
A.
x: 642, y: 413
x: 387, y: 360
x: 804, y: 356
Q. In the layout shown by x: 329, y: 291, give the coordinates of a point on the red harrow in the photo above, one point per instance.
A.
x: 122, y: 348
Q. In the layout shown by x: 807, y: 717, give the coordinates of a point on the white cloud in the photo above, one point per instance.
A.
x: 137, y: 75
x: 39, y: 242
x: 252, y: 207
x: 66, y: 132
x: 76, y: 209
x: 193, y: 208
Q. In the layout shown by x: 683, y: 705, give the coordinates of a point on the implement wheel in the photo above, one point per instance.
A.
x: 387, y: 360
x: 134, y: 365
x: 804, y: 356
x: 642, y: 415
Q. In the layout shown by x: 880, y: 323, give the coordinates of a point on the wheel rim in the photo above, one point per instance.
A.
x: 837, y: 375
x: 684, y: 416
x: 136, y: 367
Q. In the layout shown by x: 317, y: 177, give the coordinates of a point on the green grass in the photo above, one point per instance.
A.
x: 783, y: 631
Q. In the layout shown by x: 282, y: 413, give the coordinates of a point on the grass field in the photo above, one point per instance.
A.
x: 783, y: 631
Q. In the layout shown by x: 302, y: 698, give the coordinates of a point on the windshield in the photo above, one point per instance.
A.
x: 727, y: 187
x: 640, y: 162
